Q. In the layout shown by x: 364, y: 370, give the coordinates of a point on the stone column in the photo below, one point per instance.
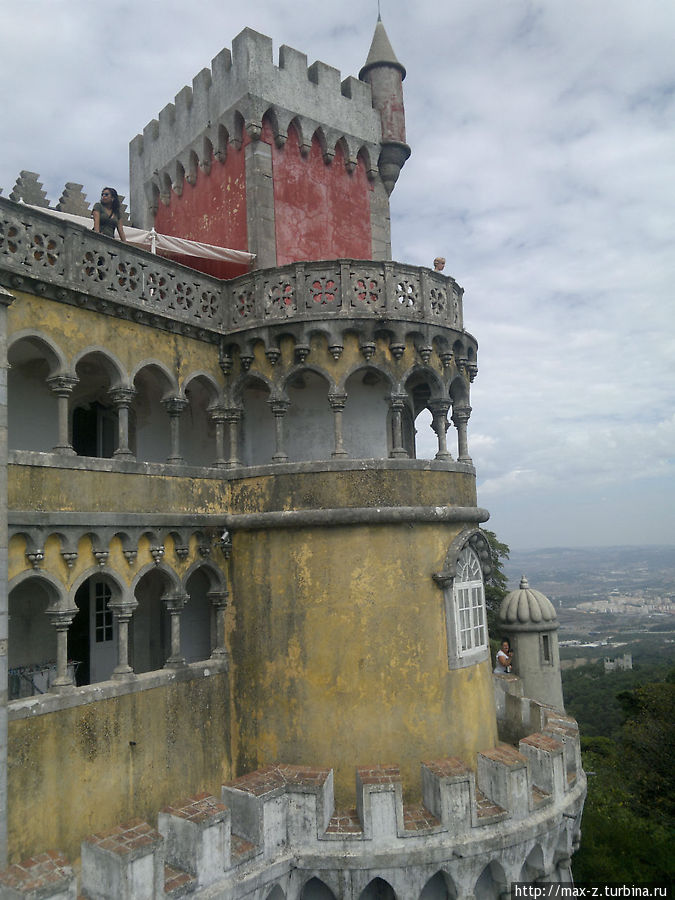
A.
x: 175, y: 604
x: 232, y: 418
x: 5, y: 300
x: 174, y: 407
x: 396, y: 404
x: 460, y: 416
x: 260, y: 203
x: 337, y: 403
x: 218, y: 600
x: 61, y: 619
x: 279, y: 408
x: 123, y: 609
x: 122, y: 398
x: 218, y: 417
x: 62, y: 386
x: 439, y: 410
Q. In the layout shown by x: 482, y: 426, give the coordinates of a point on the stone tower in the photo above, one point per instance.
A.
x: 529, y: 620
x: 247, y: 647
x: 287, y: 162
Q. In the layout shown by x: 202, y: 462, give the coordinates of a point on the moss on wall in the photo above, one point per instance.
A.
x: 73, y: 330
x: 340, y: 655
x: 87, y: 768
x: 50, y: 488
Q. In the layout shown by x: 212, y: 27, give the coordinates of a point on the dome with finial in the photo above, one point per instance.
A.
x: 527, y: 610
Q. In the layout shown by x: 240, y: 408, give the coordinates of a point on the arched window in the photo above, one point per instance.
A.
x: 465, y: 610
x: 470, y: 603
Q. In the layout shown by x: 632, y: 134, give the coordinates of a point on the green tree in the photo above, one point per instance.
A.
x: 496, y: 584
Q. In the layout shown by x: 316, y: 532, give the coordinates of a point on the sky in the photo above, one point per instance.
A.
x: 542, y: 168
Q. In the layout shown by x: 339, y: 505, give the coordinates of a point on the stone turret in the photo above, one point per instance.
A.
x: 245, y: 156
x: 385, y: 74
x: 529, y: 619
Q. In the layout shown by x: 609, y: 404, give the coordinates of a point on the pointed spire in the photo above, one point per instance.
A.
x: 381, y: 52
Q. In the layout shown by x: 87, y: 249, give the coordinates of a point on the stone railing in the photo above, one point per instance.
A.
x: 343, y: 289
x: 71, y: 264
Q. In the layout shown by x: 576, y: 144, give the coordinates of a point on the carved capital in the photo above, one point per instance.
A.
x: 122, y: 396
x: 217, y: 414
x: 337, y: 401
x: 279, y: 407
x: 175, y: 405
x: 218, y: 599
x: 62, y: 385
x: 122, y: 608
x: 61, y: 618
x: 176, y: 602
x: 461, y: 414
x: 397, y: 401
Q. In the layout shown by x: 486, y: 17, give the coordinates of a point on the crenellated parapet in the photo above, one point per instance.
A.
x: 230, y: 100
x: 279, y: 826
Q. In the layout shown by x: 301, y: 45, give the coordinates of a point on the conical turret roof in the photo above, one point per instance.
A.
x: 527, y: 609
x: 381, y: 52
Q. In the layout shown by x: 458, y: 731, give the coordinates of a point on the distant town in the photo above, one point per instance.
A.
x: 615, y: 604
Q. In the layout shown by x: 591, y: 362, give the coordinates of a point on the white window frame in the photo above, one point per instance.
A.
x: 466, y: 620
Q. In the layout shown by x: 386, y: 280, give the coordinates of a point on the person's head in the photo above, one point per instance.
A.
x: 439, y: 264
x: 506, y: 646
x: 109, y: 198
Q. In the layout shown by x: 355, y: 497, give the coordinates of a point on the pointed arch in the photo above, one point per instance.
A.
x: 378, y: 889
x: 316, y: 889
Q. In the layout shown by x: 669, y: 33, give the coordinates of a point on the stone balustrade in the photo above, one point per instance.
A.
x: 70, y: 264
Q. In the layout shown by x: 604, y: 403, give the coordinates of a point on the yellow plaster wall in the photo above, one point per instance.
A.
x: 74, y: 329
x: 75, y: 771
x: 45, y: 488
x: 339, y: 653
x: 353, y: 488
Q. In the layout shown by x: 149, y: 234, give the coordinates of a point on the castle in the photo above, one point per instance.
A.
x: 244, y: 643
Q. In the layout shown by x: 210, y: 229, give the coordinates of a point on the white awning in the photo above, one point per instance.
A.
x: 163, y: 243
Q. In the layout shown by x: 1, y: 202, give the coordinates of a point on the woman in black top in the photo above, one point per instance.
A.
x: 107, y: 214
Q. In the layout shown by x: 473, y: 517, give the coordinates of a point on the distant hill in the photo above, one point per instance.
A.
x: 562, y: 572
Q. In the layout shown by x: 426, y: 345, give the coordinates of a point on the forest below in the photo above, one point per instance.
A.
x: 627, y: 723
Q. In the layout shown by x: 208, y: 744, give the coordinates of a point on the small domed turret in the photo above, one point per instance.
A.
x: 528, y: 618
x: 526, y: 606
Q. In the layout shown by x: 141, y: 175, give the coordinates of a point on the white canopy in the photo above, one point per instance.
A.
x: 163, y: 243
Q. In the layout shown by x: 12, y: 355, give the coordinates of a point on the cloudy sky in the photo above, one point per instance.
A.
x: 543, y: 168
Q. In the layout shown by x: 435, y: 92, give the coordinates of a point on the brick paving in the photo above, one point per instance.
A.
x: 240, y: 847
x: 36, y: 872
x: 379, y: 774
x: 450, y: 767
x: 127, y: 838
x: 416, y: 817
x: 274, y: 778
x: 542, y: 742
x: 487, y: 807
x: 505, y: 754
x: 177, y: 883
x: 539, y: 797
x: 202, y: 808
x: 345, y: 822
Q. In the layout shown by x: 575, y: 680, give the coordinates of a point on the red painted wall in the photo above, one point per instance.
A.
x: 321, y: 211
x: 212, y: 210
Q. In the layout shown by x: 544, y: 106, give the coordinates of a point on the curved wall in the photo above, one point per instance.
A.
x: 339, y: 654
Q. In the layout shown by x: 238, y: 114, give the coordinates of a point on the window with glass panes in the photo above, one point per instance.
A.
x: 470, y: 602
x: 104, y: 617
